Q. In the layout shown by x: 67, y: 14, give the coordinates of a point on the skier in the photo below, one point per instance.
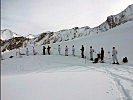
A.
x: 59, y: 49
x: 66, y: 51
x: 27, y: 52
x: 34, y: 53
x: 102, y: 55
x: 114, y: 56
x: 73, y: 50
x: 91, y: 53
x: 44, y: 50
x: 82, y: 51
x: 48, y: 49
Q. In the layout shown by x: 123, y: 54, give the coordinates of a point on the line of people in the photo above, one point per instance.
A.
x: 100, y: 55
x: 27, y: 51
x: 48, y: 50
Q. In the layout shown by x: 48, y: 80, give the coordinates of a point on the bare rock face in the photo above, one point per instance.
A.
x: 13, y: 43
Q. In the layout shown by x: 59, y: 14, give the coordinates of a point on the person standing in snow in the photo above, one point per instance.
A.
x: 59, y: 49
x: 114, y: 56
x: 34, y: 51
x: 82, y: 51
x: 91, y: 53
x: 73, y: 50
x: 66, y: 51
x: 48, y: 49
x: 102, y: 55
x: 44, y: 50
x: 27, y: 52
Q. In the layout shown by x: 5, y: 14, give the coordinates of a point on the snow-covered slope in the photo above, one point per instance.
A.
x: 76, y: 32
x: 30, y: 36
x: 57, y: 77
x: 53, y: 77
x: 7, y: 34
x: 115, y: 20
x: 121, y: 37
x: 111, y: 22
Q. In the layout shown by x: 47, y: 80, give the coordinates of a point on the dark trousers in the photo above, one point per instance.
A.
x: 43, y: 52
x: 82, y: 54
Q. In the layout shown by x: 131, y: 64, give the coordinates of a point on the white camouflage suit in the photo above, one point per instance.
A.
x: 59, y: 50
x: 91, y: 53
x: 27, y: 52
x: 114, y: 55
x: 73, y: 51
x: 66, y: 51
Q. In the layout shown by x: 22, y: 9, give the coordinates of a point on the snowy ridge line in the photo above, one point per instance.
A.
x: 75, y: 33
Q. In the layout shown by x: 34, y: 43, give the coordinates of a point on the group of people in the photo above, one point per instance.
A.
x: 34, y: 52
x: 66, y: 50
x: 48, y: 50
x: 100, y: 55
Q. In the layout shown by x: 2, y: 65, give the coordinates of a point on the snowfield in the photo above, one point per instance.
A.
x: 64, y: 78
x: 59, y: 77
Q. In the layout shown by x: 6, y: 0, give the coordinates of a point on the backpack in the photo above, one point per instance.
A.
x: 125, y: 60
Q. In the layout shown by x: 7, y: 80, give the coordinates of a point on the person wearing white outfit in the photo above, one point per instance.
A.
x: 27, y: 52
x: 59, y: 49
x: 73, y: 50
x: 91, y: 53
x: 34, y: 52
x: 66, y: 51
x: 114, y: 56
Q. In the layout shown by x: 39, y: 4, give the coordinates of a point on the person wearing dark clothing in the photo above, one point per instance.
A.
x: 125, y: 60
x: 102, y: 54
x: 82, y: 51
x: 48, y: 49
x: 44, y: 50
x: 97, y: 59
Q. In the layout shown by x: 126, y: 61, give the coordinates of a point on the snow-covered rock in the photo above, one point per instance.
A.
x: 76, y: 32
x: 115, y: 20
x: 30, y: 36
x: 7, y: 34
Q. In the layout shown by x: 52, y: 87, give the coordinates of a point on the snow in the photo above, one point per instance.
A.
x: 30, y: 36
x: 8, y: 34
x: 59, y: 77
x: 64, y: 78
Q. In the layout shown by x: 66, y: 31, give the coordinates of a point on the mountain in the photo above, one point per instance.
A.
x: 7, y: 34
x: 68, y: 34
x: 111, y: 22
x: 30, y: 36
x: 116, y: 20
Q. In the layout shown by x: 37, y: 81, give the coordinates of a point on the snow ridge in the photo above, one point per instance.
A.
x: 7, y: 34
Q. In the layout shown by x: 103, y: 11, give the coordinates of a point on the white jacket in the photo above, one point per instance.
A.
x: 114, y: 52
x: 59, y: 49
x: 73, y: 49
x: 66, y: 49
x: 91, y: 50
